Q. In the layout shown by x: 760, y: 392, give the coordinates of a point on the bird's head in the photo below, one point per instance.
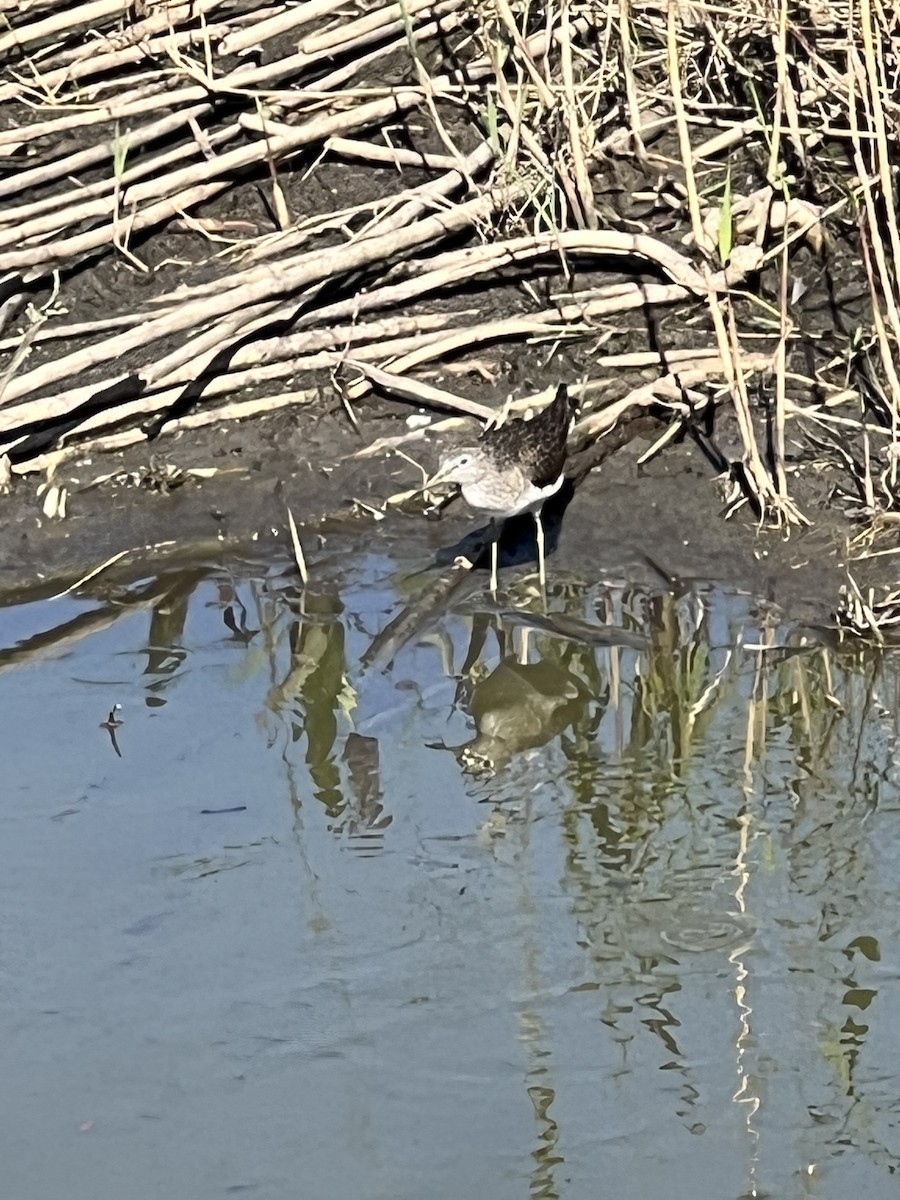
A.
x: 462, y: 466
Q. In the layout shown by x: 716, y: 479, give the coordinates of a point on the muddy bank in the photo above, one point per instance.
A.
x: 669, y: 510
x: 179, y: 242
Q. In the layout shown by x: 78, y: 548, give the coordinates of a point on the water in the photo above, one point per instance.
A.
x: 419, y: 918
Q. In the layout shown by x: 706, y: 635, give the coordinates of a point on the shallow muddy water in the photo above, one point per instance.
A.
x: 364, y: 898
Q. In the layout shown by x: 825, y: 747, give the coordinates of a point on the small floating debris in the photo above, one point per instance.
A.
x: 111, y: 724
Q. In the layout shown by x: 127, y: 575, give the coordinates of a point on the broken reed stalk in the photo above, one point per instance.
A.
x: 784, y: 103
x: 881, y: 278
x: 766, y: 494
x: 299, y: 556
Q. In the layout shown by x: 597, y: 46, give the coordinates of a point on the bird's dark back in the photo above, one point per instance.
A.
x: 537, y: 446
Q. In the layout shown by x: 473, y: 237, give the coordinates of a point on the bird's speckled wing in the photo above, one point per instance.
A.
x: 537, y: 446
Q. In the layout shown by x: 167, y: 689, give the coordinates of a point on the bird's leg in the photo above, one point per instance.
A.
x: 539, y: 538
x: 523, y: 648
x: 493, y: 533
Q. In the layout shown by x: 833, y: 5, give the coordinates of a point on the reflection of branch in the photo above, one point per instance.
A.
x: 417, y: 616
x: 53, y: 641
x: 574, y: 629
x: 61, y: 637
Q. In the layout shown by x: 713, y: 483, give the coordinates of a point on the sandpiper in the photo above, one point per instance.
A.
x: 515, y: 467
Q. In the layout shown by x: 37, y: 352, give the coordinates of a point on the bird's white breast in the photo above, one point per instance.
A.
x: 516, y: 495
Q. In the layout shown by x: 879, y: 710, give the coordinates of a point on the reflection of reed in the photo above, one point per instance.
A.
x: 672, y: 694
x: 546, y: 1156
x: 730, y: 755
x: 837, y: 709
x: 747, y: 1092
x: 797, y: 690
x: 165, y: 639
x: 651, y: 716
x: 309, y: 699
x: 310, y: 694
x: 364, y: 819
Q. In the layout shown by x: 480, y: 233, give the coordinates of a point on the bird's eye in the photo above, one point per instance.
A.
x: 463, y: 460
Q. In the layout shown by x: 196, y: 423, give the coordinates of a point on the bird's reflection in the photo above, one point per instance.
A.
x: 518, y: 707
